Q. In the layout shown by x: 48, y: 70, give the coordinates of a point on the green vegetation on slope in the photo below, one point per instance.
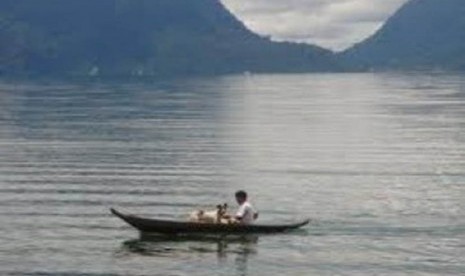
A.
x: 142, y: 38
x: 423, y: 34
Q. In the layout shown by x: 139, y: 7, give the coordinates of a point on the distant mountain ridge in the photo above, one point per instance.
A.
x: 159, y: 38
x: 141, y: 38
x: 422, y: 35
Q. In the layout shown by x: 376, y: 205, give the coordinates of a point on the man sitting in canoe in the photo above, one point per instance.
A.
x: 246, y: 214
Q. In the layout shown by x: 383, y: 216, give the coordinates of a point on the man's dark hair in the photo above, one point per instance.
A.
x: 241, y: 194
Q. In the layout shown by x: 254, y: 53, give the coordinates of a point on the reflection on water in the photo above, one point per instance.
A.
x: 207, y: 244
x: 239, y: 248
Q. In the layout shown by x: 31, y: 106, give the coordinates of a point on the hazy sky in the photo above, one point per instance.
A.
x: 334, y: 24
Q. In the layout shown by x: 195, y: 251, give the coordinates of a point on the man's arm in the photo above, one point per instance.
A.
x: 241, y: 212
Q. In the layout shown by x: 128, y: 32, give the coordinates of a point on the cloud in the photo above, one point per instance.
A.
x: 336, y: 24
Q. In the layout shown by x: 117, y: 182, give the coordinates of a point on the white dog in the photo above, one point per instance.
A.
x: 214, y: 216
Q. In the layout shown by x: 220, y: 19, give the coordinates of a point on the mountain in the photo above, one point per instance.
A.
x: 423, y: 34
x: 140, y: 37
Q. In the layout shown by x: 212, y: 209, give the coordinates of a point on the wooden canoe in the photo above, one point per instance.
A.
x: 145, y: 225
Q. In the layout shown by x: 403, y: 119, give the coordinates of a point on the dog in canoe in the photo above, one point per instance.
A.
x: 218, y: 216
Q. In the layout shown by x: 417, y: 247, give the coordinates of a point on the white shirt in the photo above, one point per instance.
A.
x: 246, y: 212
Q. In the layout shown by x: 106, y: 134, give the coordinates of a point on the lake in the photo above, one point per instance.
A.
x: 377, y: 161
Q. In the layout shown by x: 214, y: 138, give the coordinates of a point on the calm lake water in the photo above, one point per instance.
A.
x: 377, y: 161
